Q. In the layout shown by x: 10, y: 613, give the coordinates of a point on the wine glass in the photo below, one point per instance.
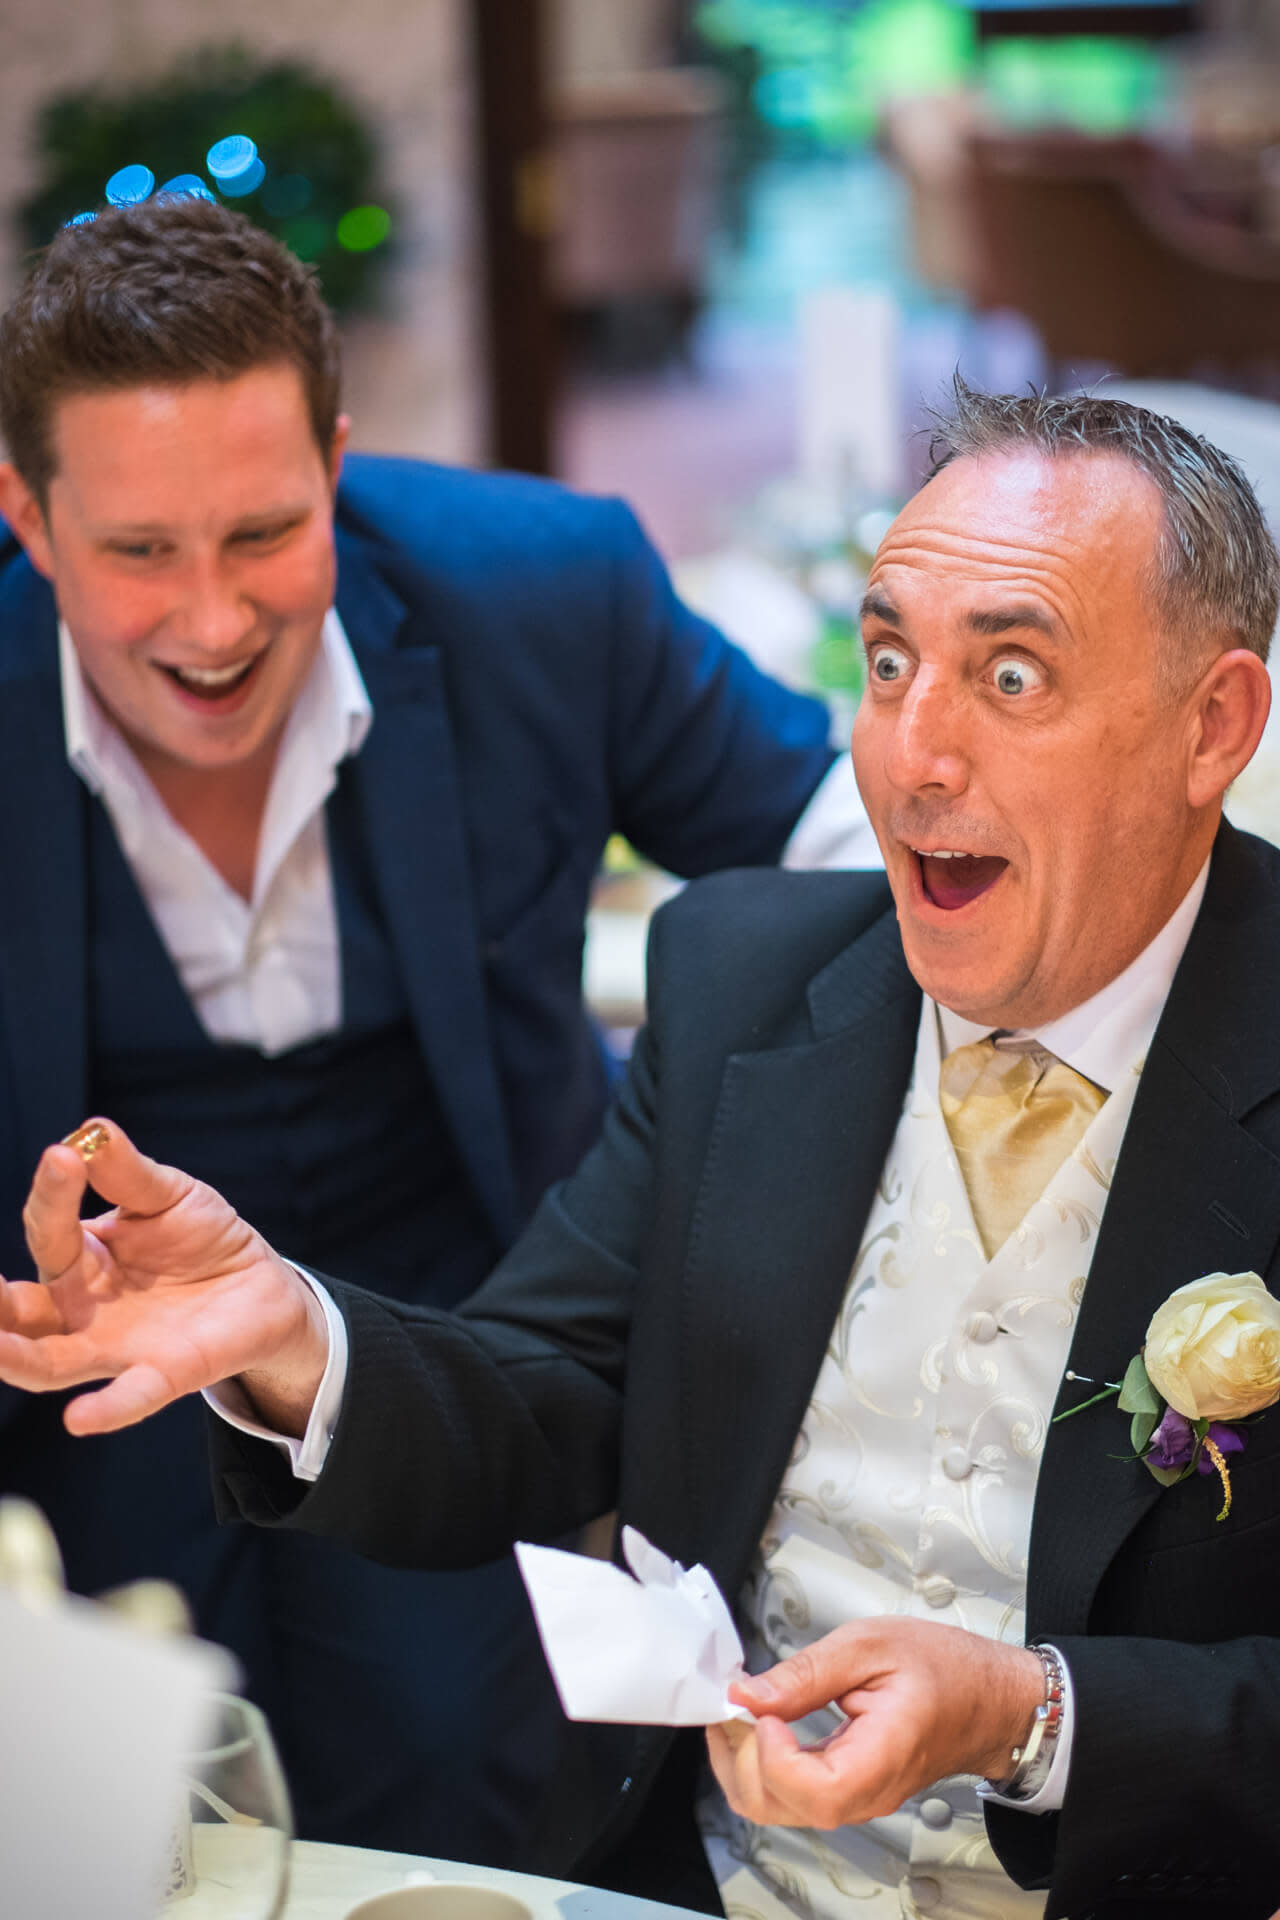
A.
x: 230, y: 1857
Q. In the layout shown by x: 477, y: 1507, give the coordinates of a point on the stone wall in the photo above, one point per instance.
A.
x: 412, y: 373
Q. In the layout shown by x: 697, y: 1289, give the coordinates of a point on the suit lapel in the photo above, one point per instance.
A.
x: 797, y: 1147
x: 1194, y: 1193
x: 407, y: 773
x: 43, y: 959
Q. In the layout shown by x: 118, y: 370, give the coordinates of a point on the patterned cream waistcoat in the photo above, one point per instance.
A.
x: 910, y: 1491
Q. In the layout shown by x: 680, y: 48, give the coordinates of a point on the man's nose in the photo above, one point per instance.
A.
x: 215, y: 616
x: 927, y: 750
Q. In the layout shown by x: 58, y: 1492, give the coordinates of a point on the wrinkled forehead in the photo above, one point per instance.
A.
x: 1077, y: 500
x: 1081, y: 529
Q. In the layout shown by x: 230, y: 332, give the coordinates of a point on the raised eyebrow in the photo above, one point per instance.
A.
x: 1021, y: 616
x: 876, y: 607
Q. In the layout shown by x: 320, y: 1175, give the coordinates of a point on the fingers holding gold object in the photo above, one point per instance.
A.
x: 88, y: 1139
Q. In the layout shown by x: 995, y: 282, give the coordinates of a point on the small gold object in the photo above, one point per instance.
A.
x: 88, y: 1139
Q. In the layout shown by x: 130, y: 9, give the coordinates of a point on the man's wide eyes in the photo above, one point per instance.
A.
x: 1015, y: 677
x: 888, y: 664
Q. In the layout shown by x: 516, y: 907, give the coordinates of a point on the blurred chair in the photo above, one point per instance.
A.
x: 1104, y: 244
x: 636, y: 160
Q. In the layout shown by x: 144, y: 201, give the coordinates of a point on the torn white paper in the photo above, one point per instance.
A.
x: 657, y: 1650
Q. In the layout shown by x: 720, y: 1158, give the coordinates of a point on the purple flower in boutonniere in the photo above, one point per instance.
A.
x: 1174, y: 1444
x: 1211, y: 1357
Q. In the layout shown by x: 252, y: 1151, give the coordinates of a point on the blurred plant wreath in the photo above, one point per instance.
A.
x: 319, y: 194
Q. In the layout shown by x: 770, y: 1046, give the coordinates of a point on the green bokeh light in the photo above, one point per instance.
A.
x: 363, y: 228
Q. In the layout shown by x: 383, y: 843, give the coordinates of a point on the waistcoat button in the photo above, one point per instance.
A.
x: 982, y: 1327
x: 937, y: 1590
x: 956, y: 1463
x: 925, y: 1892
x: 936, y: 1813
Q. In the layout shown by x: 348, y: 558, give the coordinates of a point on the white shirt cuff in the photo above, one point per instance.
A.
x: 1051, y: 1795
x: 306, y: 1456
x: 833, y: 830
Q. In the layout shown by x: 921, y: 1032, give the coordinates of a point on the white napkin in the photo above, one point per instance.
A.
x: 660, y: 1650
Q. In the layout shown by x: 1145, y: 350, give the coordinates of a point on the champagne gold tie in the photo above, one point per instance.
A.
x: 1014, y: 1114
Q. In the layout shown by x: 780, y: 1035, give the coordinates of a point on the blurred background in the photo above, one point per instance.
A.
x: 719, y: 256
x: 684, y: 248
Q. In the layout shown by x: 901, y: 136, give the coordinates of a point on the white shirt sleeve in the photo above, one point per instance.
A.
x: 306, y: 1456
x: 833, y: 830
x: 1051, y: 1795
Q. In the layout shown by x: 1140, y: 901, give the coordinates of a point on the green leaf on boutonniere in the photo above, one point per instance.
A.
x: 1137, y: 1395
x: 1167, y: 1476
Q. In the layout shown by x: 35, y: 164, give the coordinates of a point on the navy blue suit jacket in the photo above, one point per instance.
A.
x: 536, y: 687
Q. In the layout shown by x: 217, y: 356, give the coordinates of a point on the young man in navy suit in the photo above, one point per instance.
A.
x: 307, y: 772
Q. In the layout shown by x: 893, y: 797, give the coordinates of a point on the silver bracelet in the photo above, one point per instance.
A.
x: 1030, y: 1763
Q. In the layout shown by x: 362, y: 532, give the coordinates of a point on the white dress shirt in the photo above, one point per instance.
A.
x: 265, y: 971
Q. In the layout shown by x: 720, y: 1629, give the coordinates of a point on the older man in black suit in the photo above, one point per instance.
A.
x: 895, y: 1166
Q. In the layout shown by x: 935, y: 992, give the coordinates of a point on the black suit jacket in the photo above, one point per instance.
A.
x: 654, y: 1338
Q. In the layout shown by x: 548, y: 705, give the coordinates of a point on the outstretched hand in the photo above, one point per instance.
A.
x: 168, y: 1292
x: 924, y: 1701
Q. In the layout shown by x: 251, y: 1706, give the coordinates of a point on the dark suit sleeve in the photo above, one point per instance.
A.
x: 1173, y: 1790
x: 462, y: 1432
x: 711, y: 761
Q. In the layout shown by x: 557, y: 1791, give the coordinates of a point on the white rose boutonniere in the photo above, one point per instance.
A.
x: 1213, y: 1349
x: 1211, y: 1358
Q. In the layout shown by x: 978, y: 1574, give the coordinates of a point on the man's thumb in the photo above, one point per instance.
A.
x: 795, y: 1686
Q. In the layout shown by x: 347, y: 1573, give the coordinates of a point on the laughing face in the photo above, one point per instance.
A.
x: 1026, y: 772
x: 188, y: 537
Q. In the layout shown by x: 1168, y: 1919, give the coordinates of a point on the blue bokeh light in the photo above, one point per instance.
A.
x: 246, y: 182
x: 81, y: 219
x: 189, y: 184
x: 228, y: 159
x: 130, y: 186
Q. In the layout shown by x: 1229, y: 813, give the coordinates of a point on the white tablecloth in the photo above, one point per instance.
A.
x: 326, y: 1882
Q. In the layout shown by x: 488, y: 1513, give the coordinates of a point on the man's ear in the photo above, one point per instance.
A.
x: 338, y: 447
x: 1232, y: 702
x: 26, y: 516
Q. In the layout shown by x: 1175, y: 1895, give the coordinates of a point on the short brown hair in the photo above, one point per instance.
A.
x: 174, y: 290
x: 1217, y: 571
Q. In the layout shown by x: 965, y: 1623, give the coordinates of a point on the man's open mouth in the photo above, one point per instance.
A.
x: 952, y: 878
x: 214, y: 683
